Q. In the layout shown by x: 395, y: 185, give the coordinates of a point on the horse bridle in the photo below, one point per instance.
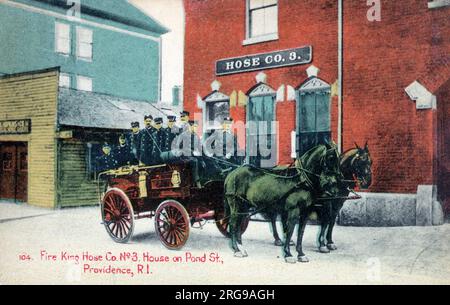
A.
x: 356, y: 179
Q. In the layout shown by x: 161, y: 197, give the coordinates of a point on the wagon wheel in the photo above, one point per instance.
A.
x: 172, y: 224
x: 117, y: 215
x: 222, y: 223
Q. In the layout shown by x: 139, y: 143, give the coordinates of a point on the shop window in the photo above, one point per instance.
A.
x: 84, y: 43
x: 262, y: 21
x: 84, y: 83
x: 62, y: 38
x: 313, y: 115
x: 217, y: 107
x: 261, y: 127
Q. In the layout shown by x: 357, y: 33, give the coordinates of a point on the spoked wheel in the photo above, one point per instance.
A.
x: 172, y: 224
x: 222, y: 223
x: 117, y: 215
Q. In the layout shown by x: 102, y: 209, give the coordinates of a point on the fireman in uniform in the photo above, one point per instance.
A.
x: 134, y: 142
x: 106, y: 161
x: 184, y: 121
x: 148, y: 122
x: 151, y: 143
x: 228, y: 142
x: 188, y: 148
x: 122, y: 153
x: 170, y: 133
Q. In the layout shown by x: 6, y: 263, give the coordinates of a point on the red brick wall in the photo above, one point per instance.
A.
x: 380, y: 60
x: 216, y: 30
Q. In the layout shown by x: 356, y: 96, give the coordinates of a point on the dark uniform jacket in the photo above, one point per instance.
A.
x: 105, y: 162
x: 134, y: 142
x: 152, y: 142
x: 169, y: 136
x: 123, y: 155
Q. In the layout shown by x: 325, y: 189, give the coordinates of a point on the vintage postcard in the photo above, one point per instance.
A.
x: 219, y: 142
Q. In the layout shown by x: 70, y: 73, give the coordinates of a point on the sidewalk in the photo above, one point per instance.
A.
x: 11, y: 211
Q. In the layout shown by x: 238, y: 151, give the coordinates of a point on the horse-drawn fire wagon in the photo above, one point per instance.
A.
x: 166, y: 193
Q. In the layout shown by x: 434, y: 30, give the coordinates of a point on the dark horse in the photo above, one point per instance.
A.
x: 250, y: 189
x: 355, y: 165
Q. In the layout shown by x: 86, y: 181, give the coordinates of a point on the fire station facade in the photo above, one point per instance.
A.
x: 328, y: 70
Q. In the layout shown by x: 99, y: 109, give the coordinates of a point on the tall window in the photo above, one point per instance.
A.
x: 261, y: 146
x: 313, y: 115
x: 84, y: 43
x: 84, y: 83
x: 62, y: 38
x: 262, y: 18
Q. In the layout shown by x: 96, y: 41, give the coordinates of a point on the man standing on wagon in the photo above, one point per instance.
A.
x: 170, y: 133
x: 184, y: 121
x: 133, y: 139
x: 152, y: 144
x: 122, y: 153
x: 188, y: 147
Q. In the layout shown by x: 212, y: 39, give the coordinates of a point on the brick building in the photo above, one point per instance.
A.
x: 350, y: 72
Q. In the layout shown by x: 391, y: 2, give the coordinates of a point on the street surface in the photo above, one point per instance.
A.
x: 40, y: 246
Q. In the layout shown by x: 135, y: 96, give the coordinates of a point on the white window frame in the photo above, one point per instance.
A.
x: 89, y: 43
x: 67, y: 49
x: 257, y: 39
x: 214, y: 97
x: 80, y: 79
x: 62, y: 78
x: 438, y: 3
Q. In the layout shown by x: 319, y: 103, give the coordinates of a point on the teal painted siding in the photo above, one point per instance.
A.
x: 122, y: 65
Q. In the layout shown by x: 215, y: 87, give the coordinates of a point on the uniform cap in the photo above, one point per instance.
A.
x: 134, y: 124
x: 158, y: 120
x: 149, y: 116
x: 171, y: 118
x: 184, y: 113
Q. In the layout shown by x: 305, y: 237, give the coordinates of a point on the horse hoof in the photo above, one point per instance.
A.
x: 331, y: 247
x: 324, y: 249
x: 278, y: 243
x: 291, y: 243
x: 290, y: 260
x: 240, y: 254
x: 303, y: 259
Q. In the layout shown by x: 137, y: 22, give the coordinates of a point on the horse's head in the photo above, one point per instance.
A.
x: 360, y: 166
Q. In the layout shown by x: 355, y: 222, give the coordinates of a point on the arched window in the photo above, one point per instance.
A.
x: 217, y: 107
x: 313, y: 114
x: 261, y: 129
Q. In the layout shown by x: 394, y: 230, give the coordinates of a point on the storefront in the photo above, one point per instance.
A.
x: 50, y: 138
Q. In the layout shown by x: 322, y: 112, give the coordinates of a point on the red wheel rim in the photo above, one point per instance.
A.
x: 172, y: 224
x: 117, y: 214
x: 223, y: 224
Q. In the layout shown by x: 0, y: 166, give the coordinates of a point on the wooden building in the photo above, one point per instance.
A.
x: 50, y: 137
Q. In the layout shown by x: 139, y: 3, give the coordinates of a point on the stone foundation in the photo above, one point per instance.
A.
x: 391, y: 210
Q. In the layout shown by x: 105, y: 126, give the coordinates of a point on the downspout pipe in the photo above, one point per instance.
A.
x: 340, y: 72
